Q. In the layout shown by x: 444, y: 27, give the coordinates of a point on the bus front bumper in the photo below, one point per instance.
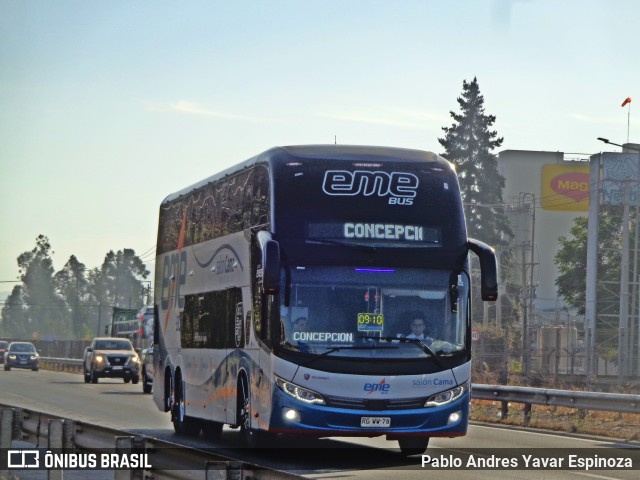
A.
x: 291, y: 416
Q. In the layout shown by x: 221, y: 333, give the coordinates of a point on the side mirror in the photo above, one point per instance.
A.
x: 271, y: 269
x: 270, y: 262
x: 488, y: 269
x: 454, y: 294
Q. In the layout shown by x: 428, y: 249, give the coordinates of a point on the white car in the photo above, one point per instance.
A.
x: 111, y: 357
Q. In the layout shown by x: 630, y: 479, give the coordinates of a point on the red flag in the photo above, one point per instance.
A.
x: 626, y: 100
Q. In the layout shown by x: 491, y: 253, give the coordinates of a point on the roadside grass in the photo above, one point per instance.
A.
x: 623, y: 426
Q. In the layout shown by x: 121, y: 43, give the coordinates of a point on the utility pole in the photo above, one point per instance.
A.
x: 623, y: 353
x: 625, y: 334
x: 527, y: 285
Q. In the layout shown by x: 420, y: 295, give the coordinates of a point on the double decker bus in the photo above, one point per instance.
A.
x: 353, y: 243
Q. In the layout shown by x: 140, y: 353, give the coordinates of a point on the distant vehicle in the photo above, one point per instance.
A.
x: 110, y: 357
x: 3, y: 348
x: 145, y: 316
x: 147, y: 370
x: 134, y: 324
x: 21, y: 355
x: 124, y: 324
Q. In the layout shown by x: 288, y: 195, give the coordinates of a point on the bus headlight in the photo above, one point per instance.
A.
x: 447, y: 396
x: 299, y: 393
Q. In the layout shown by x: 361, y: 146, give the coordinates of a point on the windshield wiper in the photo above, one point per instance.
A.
x: 375, y: 245
x: 366, y: 248
x: 416, y: 341
x: 337, y: 349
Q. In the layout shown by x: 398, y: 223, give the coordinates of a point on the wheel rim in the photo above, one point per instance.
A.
x: 181, y: 411
x: 245, y: 420
x: 245, y: 416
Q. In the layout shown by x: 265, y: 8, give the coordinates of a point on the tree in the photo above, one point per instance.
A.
x: 15, y: 318
x: 67, y: 304
x: 571, y: 260
x: 45, y: 308
x: 118, y: 281
x: 468, y: 144
x: 71, y: 283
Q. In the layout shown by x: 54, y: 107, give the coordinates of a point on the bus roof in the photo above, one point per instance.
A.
x: 329, y: 151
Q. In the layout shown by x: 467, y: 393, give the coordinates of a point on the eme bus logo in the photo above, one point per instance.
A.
x: 399, y: 186
x: 382, y: 387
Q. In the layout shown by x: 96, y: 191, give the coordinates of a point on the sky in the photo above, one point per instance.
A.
x: 107, y: 107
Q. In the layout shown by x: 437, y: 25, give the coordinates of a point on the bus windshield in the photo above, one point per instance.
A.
x: 375, y: 312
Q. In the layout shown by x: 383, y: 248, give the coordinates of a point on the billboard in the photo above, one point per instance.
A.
x: 565, y: 187
x: 620, y: 172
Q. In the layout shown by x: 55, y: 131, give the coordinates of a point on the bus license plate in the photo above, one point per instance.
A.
x: 375, y: 422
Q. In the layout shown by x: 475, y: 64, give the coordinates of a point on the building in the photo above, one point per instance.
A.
x: 544, y: 192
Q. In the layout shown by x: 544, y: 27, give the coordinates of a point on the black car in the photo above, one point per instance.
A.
x: 147, y: 370
x: 3, y: 348
x: 21, y: 355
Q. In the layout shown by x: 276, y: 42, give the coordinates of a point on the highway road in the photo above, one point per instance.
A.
x: 123, y: 406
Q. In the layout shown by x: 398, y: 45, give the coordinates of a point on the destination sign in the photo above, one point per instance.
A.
x: 386, y: 232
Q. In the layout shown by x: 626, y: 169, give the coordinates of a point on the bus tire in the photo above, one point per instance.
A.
x: 147, y: 386
x: 182, y: 423
x: 168, y: 390
x: 249, y: 435
x: 212, y: 430
x: 413, y: 445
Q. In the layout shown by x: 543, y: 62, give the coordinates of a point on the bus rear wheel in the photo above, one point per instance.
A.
x: 413, y: 445
x: 182, y: 424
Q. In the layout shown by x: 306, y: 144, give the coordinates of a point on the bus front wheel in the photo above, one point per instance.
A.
x: 413, y: 445
x: 212, y: 430
x: 249, y: 435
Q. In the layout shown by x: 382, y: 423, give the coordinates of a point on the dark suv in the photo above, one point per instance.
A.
x: 111, y: 357
x: 21, y: 355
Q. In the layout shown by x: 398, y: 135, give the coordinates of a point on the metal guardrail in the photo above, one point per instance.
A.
x: 66, y: 364
x: 171, y: 460
x: 168, y: 460
x: 612, y: 402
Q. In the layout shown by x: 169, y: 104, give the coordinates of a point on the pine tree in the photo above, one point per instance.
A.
x: 469, y: 143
